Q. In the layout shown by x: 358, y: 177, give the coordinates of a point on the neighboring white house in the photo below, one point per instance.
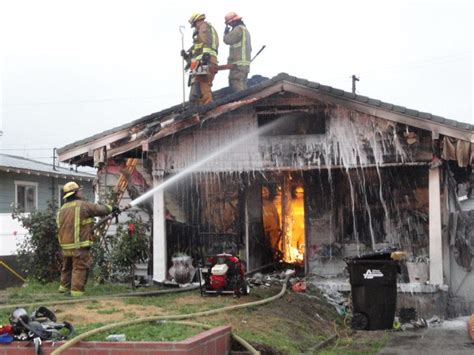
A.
x: 30, y: 185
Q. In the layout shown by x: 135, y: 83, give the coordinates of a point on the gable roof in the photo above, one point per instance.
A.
x: 17, y: 164
x: 259, y: 87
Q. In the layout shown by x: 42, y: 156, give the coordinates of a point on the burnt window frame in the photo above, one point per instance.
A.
x: 314, y: 122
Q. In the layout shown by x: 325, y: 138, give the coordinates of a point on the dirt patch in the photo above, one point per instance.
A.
x: 189, y: 299
x: 104, y: 311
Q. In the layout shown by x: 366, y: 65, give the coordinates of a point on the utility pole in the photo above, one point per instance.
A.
x: 54, y: 159
x: 354, y: 79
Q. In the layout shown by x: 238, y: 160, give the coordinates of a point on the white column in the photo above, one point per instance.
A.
x: 436, y: 244
x: 246, y: 216
x: 159, y: 230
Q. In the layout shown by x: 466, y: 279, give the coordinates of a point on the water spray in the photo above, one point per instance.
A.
x: 202, y: 162
x: 190, y: 169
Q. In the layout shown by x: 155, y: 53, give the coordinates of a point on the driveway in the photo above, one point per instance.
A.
x: 450, y: 337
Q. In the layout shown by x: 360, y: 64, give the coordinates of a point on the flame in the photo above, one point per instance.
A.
x: 291, y: 232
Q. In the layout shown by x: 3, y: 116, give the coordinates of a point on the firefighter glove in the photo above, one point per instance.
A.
x: 184, y: 54
x: 116, y: 210
x: 206, y: 57
x: 227, y: 30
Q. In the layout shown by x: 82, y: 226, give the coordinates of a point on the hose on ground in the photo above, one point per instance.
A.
x: 104, y: 328
x: 245, y: 344
x: 97, y: 298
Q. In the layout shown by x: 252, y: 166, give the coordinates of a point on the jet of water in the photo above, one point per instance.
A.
x: 233, y: 144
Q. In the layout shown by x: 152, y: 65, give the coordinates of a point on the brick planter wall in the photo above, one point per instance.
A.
x: 215, y: 341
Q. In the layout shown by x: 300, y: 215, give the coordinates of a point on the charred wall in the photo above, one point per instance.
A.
x: 310, y: 134
x: 349, y: 212
x: 360, y: 192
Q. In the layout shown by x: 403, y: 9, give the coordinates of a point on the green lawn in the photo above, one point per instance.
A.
x: 288, y: 325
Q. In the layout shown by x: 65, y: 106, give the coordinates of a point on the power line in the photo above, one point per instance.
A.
x: 86, y: 101
x: 16, y: 149
x: 410, y: 65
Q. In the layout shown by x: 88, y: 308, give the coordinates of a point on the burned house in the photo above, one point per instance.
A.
x: 308, y: 174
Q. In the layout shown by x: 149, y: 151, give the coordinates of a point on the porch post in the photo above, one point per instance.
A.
x: 436, y: 244
x: 159, y: 230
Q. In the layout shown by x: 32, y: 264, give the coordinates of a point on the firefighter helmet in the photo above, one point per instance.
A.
x: 230, y: 17
x: 197, y: 16
x: 70, y: 189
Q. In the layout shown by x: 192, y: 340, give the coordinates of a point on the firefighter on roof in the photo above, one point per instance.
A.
x: 75, y: 235
x: 202, y: 58
x: 237, y: 37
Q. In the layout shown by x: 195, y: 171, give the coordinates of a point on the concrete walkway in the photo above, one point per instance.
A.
x: 450, y: 337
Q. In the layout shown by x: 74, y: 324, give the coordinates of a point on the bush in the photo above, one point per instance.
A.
x: 131, y: 245
x: 39, y: 255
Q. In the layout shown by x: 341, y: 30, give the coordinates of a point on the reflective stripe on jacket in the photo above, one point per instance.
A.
x: 75, y: 221
x: 205, y: 40
x: 240, y: 45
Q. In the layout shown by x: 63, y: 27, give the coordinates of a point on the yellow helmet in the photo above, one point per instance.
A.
x: 70, y: 189
x: 196, y: 17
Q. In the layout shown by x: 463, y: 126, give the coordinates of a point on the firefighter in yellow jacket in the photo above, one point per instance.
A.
x: 75, y: 235
x: 203, y: 51
x: 237, y: 37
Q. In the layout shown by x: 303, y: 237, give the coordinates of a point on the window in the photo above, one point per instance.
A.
x: 294, y: 123
x: 26, y: 196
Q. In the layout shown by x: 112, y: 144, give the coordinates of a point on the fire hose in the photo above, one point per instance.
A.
x: 111, y: 216
x: 85, y: 335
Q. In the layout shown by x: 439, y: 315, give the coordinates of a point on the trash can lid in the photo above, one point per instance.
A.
x: 384, y: 254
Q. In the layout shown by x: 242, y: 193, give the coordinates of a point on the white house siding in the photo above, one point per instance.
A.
x: 47, y: 190
x: 11, y: 233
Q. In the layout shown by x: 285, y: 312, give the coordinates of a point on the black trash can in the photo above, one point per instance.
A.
x: 374, y: 291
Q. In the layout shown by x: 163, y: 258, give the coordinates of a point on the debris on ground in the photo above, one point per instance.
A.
x: 434, y: 321
x: 299, y: 286
x: 335, y: 298
x: 407, y: 314
x: 271, y: 279
x: 116, y: 337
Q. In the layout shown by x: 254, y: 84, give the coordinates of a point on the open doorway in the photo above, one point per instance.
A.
x: 283, y: 218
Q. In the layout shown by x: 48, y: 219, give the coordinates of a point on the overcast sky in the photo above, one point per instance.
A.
x: 71, y: 69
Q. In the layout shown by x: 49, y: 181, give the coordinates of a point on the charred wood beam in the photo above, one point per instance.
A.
x: 192, y: 121
x: 284, y: 101
x: 82, y: 160
x: 65, y: 154
x: 309, y: 167
x: 166, y: 131
x: 295, y: 109
x: 227, y: 108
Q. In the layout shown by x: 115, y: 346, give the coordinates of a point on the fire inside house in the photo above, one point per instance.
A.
x: 322, y: 175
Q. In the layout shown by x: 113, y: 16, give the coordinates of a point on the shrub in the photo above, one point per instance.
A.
x: 39, y: 254
x: 131, y: 245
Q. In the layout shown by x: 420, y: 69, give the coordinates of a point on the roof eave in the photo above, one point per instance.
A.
x: 429, y: 125
x: 58, y: 174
